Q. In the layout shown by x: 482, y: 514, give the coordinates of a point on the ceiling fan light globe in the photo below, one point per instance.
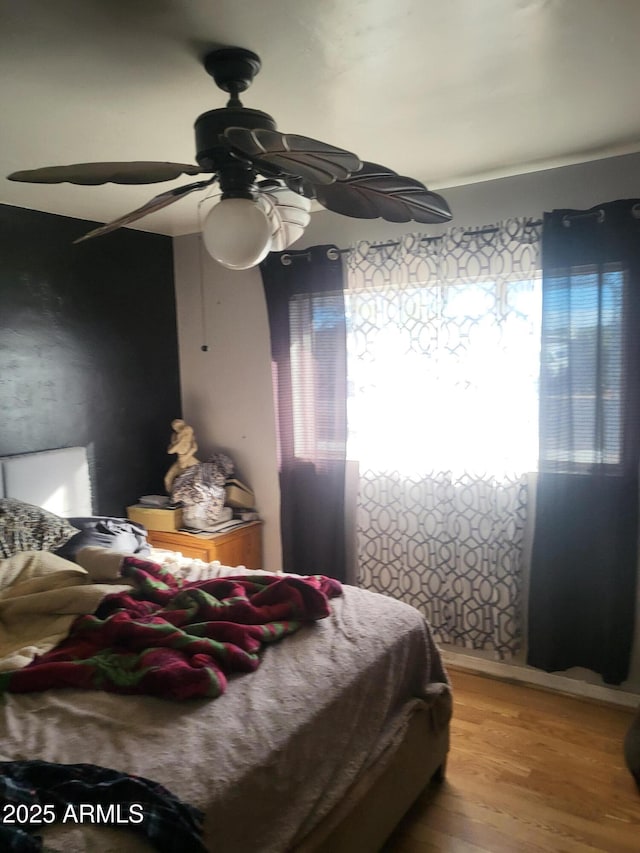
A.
x: 237, y: 233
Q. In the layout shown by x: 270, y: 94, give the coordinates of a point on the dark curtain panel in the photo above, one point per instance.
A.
x: 305, y: 302
x: 584, y: 561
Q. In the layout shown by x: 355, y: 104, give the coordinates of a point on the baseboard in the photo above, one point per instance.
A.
x: 538, y: 678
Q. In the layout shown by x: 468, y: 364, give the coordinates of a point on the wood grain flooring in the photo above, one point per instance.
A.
x: 529, y: 771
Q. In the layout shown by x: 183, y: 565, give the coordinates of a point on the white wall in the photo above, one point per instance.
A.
x: 227, y: 391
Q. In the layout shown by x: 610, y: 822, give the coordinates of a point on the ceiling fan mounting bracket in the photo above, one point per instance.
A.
x: 232, y: 68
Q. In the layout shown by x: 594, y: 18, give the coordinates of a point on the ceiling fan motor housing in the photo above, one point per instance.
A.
x: 213, y: 152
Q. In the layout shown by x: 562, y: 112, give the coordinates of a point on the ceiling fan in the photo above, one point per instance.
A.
x: 266, y: 178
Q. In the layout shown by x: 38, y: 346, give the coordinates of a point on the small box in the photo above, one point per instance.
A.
x: 167, y: 520
x: 238, y: 496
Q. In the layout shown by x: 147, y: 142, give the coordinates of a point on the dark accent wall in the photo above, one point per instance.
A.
x: 88, y: 349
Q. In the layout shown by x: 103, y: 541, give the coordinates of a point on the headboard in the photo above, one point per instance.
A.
x: 57, y: 480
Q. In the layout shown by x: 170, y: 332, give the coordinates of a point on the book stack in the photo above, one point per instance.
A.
x: 157, y: 502
x: 245, y: 515
x: 222, y: 526
x: 241, y: 499
x: 166, y: 518
x: 239, y: 496
x: 157, y: 512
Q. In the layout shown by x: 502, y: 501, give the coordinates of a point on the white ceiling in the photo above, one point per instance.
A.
x: 446, y: 91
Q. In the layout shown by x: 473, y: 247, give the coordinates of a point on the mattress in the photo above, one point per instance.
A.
x: 270, y: 758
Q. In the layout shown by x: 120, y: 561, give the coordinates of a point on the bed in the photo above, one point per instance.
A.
x: 322, y: 748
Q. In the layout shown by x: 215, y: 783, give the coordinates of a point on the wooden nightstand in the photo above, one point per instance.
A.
x: 241, y: 546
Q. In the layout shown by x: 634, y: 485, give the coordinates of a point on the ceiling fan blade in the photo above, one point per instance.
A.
x: 300, y: 187
x: 288, y: 213
x: 138, y: 172
x: 275, y: 153
x: 156, y: 203
x: 376, y: 191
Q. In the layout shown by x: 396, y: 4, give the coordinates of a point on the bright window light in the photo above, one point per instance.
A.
x: 445, y: 378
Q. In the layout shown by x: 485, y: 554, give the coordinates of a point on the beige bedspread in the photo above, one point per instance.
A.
x: 41, y: 595
x: 271, y: 757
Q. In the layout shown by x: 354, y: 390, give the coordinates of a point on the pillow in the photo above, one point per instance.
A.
x: 24, y: 527
x: 117, y: 534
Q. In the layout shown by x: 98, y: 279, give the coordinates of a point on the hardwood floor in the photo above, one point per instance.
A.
x: 528, y: 771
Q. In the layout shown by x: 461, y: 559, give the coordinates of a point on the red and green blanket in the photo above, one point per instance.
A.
x: 176, y: 639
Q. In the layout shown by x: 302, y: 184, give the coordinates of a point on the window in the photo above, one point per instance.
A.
x: 315, y: 319
x: 583, y: 374
x: 445, y: 376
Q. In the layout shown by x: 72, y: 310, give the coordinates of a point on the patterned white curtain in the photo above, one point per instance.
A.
x: 443, y: 350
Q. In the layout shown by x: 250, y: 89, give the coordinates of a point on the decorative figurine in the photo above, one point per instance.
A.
x: 184, y: 445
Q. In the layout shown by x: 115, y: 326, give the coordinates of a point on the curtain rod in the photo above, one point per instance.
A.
x: 600, y: 213
x: 569, y: 217
x: 333, y: 253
